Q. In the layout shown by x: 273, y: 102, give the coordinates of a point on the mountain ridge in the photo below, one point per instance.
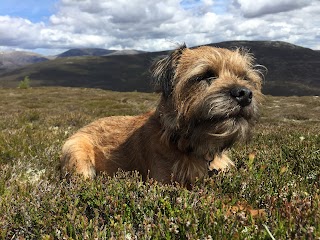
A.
x: 78, y: 52
x: 292, y: 70
x: 15, y: 59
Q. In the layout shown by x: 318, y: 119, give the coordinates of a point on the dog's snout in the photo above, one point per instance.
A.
x: 242, y: 95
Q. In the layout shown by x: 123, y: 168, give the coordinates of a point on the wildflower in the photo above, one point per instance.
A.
x: 188, y: 223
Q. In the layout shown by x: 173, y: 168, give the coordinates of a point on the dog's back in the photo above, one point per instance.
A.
x: 95, y: 147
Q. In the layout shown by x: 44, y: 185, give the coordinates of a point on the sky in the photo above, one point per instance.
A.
x: 52, y: 26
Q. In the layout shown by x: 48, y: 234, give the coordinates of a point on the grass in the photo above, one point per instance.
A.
x: 281, y: 175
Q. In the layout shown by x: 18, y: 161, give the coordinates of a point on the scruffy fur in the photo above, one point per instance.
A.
x: 196, y: 121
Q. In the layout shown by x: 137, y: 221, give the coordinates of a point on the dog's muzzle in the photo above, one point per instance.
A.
x: 242, y: 95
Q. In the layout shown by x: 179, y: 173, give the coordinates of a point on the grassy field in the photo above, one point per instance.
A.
x: 281, y: 177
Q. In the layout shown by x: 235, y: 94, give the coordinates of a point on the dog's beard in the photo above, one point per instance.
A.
x: 221, y: 122
x: 209, y: 124
x: 220, y: 107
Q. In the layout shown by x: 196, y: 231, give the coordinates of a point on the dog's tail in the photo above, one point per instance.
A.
x: 78, y: 157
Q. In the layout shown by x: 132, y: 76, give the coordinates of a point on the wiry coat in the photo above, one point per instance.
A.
x: 197, y: 119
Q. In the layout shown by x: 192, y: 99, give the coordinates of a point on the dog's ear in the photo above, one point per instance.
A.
x: 163, y: 71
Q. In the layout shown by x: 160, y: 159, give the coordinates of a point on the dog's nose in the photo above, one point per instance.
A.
x: 242, y: 95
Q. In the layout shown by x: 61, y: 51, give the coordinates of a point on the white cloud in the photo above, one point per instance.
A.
x: 254, y: 8
x: 152, y: 26
x: 17, y: 32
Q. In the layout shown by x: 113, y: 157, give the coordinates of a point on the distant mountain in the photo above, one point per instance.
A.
x: 78, y: 52
x: 16, y: 59
x: 292, y: 70
x: 125, y: 52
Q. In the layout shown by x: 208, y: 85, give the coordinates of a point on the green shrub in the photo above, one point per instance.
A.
x: 25, y: 83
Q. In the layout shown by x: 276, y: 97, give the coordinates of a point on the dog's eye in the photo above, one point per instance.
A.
x: 208, y: 76
x: 246, y: 78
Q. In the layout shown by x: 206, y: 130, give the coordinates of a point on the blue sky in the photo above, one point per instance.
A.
x: 34, y: 10
x: 219, y: 7
x: 52, y: 26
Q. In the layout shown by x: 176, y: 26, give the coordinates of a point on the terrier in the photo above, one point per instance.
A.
x: 209, y: 100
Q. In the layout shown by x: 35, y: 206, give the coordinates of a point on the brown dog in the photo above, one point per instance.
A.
x: 209, y: 101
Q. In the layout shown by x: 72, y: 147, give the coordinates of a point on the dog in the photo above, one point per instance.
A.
x: 209, y: 101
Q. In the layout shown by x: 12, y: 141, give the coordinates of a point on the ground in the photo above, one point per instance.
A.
x: 278, y: 172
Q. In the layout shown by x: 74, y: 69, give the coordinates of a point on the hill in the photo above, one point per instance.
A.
x: 292, y: 70
x: 16, y: 59
x: 81, y: 52
x: 78, y: 52
x: 118, y: 72
x: 126, y: 52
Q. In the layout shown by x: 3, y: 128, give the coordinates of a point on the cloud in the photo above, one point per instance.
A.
x: 255, y: 8
x: 159, y: 25
x: 136, y: 23
x: 23, y: 34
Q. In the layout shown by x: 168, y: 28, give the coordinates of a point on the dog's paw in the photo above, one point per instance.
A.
x: 220, y: 163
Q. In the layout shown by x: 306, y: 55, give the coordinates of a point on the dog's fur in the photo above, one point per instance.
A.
x: 197, y: 119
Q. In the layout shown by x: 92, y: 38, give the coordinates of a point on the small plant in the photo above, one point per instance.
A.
x: 25, y: 83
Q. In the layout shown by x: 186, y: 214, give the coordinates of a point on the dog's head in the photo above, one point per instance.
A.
x: 210, y: 96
